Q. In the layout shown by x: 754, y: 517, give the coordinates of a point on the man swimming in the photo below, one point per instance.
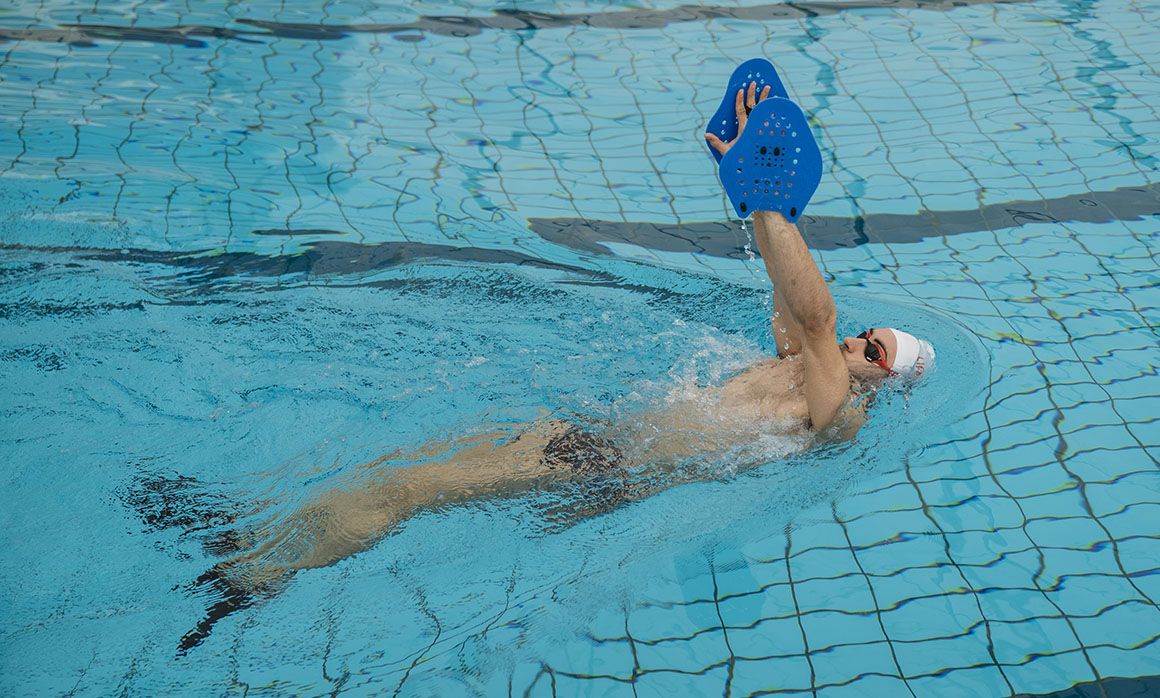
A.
x: 816, y: 385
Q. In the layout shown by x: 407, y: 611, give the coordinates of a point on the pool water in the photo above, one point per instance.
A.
x: 246, y: 248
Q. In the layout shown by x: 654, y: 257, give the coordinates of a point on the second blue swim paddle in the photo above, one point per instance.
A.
x: 775, y: 165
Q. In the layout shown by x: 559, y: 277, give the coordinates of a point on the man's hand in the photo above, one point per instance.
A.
x: 746, y: 101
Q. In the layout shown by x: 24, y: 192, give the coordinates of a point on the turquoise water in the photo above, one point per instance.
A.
x: 247, y: 248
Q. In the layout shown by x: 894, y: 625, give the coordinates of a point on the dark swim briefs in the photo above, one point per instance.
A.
x: 582, y: 452
x: 595, y: 463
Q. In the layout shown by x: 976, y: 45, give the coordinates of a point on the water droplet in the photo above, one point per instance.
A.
x: 748, y: 241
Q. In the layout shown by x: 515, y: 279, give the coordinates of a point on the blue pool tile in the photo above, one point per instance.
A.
x: 1139, y: 554
x: 1104, y: 455
x: 848, y: 593
x: 846, y: 665
x: 526, y: 676
x: 779, y: 676
x: 1018, y: 642
x: 1058, y: 504
x: 686, y: 654
x: 1085, y: 594
x: 952, y: 494
x: 972, y: 681
x: 654, y: 623
x: 911, y: 551
x: 1044, y: 673
x: 585, y: 685
x: 873, y: 529
x: 1024, y: 464
x: 774, y: 635
x: 931, y: 615
x: 1128, y: 625
x: 1129, y: 518
x: 1105, y: 499
x: 831, y: 629
x: 754, y: 606
x: 821, y: 562
x: 583, y: 657
x: 985, y: 511
x: 1117, y: 661
x: 867, y: 685
x: 1012, y: 569
x: 1078, y: 532
x: 890, y: 496
x: 1017, y: 605
x: 963, y: 649
x: 976, y: 527
x: 662, y: 684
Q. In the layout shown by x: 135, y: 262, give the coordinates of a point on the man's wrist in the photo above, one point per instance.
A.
x: 769, y: 216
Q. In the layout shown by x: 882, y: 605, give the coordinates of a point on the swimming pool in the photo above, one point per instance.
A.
x: 246, y: 248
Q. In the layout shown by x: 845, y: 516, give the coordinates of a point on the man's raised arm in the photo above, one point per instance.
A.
x: 803, y: 306
x: 803, y: 294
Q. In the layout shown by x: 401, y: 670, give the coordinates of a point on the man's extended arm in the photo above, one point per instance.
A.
x: 786, y: 332
x: 803, y: 306
x: 803, y: 295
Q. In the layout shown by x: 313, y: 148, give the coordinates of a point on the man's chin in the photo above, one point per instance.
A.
x: 866, y: 371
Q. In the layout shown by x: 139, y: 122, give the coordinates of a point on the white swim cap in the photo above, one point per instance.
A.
x: 913, y: 356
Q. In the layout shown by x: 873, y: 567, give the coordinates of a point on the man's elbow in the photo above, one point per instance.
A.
x: 820, y: 322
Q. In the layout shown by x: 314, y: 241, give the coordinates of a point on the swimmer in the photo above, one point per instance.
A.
x: 815, y: 385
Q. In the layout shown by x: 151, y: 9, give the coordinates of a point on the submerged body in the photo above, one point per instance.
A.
x: 651, y: 448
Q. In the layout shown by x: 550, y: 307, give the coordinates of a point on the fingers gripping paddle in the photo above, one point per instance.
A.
x: 724, y: 122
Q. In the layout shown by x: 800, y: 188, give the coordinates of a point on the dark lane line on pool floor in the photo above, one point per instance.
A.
x: 339, y: 258
x: 464, y: 26
x: 324, y: 258
x: 720, y: 239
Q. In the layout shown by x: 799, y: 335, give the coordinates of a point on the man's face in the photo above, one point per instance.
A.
x: 881, y: 342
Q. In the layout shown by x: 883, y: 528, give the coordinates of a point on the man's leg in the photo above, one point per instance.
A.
x: 347, y: 519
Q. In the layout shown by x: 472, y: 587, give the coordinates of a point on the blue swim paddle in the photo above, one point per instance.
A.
x: 724, y: 122
x: 775, y: 165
